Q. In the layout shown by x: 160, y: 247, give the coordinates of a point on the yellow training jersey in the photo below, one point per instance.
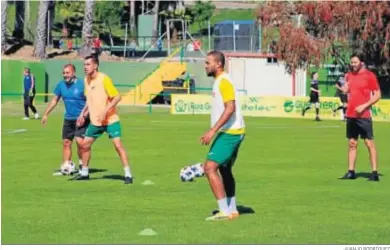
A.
x: 224, y: 91
x: 99, y: 91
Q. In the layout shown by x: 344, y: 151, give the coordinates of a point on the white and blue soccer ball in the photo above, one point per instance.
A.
x: 186, y: 174
x: 189, y: 173
x: 198, y: 169
x: 68, y: 168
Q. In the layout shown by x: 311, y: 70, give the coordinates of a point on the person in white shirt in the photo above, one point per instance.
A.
x: 227, y: 125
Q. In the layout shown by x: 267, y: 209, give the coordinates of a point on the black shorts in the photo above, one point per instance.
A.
x: 360, y: 127
x: 343, y: 98
x: 314, y: 98
x: 70, y: 129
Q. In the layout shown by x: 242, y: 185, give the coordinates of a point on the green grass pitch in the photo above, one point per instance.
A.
x: 287, y: 172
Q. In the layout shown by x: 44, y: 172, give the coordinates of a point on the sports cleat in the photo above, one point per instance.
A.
x: 318, y: 119
x: 218, y: 216
x: 26, y: 118
x: 233, y: 215
x: 128, y: 180
x: 80, y: 178
x: 373, y: 177
x: 349, y: 176
x: 36, y: 116
x: 58, y: 173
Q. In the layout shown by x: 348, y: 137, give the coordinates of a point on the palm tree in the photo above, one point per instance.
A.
x: 3, y: 26
x: 19, y: 22
x: 155, y: 21
x: 132, y: 18
x: 40, y: 38
x: 86, y: 48
x: 28, y: 34
x: 52, y: 8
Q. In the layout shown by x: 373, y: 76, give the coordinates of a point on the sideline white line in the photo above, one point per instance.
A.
x: 15, y: 131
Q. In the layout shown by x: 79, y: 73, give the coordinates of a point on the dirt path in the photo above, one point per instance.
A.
x: 25, y: 53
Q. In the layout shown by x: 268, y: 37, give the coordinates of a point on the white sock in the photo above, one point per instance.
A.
x: 84, y: 171
x: 80, y: 162
x: 223, y: 206
x: 127, y: 171
x: 231, y: 201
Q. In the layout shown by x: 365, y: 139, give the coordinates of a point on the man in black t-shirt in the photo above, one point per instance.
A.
x: 314, y: 96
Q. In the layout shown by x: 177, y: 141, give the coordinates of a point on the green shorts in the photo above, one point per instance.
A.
x: 113, y: 130
x: 224, y: 149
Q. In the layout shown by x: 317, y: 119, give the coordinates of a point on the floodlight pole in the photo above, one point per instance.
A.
x: 209, y: 33
x: 124, y: 49
x: 169, y: 37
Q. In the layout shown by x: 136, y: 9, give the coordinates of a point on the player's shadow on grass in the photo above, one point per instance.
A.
x: 241, y: 210
x: 91, y: 171
x: 364, y: 175
x: 114, y: 177
x: 96, y: 170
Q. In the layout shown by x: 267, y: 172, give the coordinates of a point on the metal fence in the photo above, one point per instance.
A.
x: 137, y: 46
x: 118, y: 39
x: 121, y: 41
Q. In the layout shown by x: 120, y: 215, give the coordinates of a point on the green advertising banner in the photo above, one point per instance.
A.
x: 271, y: 106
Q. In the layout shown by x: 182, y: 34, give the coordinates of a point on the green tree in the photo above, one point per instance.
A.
x: 202, y: 12
x: 68, y: 12
x: 109, y: 11
x: 69, y: 9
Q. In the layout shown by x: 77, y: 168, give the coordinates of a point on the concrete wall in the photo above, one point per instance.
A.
x: 261, y: 78
x: 120, y: 72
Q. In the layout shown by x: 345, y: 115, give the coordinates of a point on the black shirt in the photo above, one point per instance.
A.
x: 314, y: 85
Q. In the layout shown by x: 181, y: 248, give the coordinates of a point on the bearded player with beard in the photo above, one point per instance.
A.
x: 363, y: 91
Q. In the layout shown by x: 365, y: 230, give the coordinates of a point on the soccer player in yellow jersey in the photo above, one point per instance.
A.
x: 227, y: 124
x: 102, y: 98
